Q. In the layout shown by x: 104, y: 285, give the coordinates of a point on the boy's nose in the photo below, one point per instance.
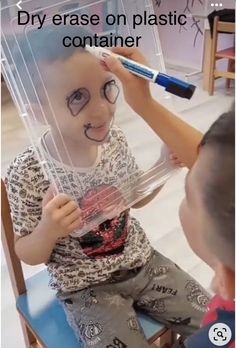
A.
x: 99, y: 110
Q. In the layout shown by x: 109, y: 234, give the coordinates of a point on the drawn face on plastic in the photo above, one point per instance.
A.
x: 83, y: 97
x: 80, y: 98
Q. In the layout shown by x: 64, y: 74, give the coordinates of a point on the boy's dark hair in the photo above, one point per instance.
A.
x: 43, y: 45
x: 47, y: 42
x: 219, y: 187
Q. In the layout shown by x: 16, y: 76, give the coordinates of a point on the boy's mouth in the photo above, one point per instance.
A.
x: 101, y: 126
x: 97, y: 132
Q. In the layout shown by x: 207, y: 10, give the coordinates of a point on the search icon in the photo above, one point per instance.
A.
x: 220, y: 334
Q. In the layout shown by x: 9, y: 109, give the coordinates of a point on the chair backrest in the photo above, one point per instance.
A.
x: 224, y: 27
x: 7, y: 234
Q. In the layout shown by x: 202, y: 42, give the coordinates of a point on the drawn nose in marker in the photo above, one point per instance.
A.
x: 19, y: 5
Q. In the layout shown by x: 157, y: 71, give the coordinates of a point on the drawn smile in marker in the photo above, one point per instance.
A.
x: 97, y: 133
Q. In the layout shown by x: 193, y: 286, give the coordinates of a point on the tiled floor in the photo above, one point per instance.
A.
x: 164, y: 232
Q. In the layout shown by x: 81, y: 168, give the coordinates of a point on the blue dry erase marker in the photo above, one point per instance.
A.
x: 172, y: 85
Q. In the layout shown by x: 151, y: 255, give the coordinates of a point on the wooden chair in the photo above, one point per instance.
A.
x: 228, y: 53
x: 42, y: 317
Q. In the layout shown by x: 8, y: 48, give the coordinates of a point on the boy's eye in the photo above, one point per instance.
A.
x: 78, y: 100
x: 111, y: 91
x: 78, y: 97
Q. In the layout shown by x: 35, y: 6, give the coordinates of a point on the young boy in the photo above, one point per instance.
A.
x: 208, y: 211
x: 211, y: 192
x: 102, y: 276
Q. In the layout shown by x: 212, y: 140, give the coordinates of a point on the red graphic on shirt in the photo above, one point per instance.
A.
x: 218, y: 303
x: 110, y: 236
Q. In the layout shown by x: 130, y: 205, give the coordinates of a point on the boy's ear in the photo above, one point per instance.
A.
x: 224, y: 282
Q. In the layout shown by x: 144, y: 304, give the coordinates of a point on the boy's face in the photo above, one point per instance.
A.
x: 198, y: 225
x: 82, y: 96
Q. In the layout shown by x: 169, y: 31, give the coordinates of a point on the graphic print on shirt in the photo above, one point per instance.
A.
x: 195, y: 296
x: 110, y: 236
x: 90, y: 332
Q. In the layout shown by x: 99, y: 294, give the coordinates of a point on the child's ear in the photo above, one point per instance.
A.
x: 224, y: 282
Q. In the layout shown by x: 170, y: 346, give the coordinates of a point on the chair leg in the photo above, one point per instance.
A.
x: 228, y: 80
x: 212, y: 73
x: 212, y: 68
x: 211, y: 84
x: 29, y: 338
x: 213, y: 58
x: 231, y: 68
x: 37, y: 345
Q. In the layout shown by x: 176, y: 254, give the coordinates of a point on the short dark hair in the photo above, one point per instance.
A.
x: 42, y: 46
x: 219, y: 187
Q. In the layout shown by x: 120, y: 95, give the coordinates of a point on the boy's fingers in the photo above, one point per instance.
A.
x: 117, y: 68
x: 173, y: 155
x: 124, y: 51
x: 48, y: 196
x: 178, y: 163
x: 58, y: 201
x: 72, y: 218
x: 74, y: 225
x: 69, y: 207
x: 51, y: 192
x: 175, y: 160
x: 131, y: 53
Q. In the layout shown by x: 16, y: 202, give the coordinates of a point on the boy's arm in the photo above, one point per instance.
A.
x: 177, y: 134
x: 60, y: 217
x: 33, y: 245
x: 37, y: 217
x: 35, y: 248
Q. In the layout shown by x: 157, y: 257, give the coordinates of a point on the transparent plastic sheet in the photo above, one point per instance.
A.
x: 41, y: 76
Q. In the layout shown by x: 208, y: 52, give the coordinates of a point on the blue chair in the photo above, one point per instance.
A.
x: 42, y: 317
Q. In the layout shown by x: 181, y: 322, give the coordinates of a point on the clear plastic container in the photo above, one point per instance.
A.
x: 74, y: 111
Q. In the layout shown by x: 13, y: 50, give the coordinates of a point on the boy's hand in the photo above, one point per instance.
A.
x: 136, y: 89
x: 61, y: 215
x: 176, y: 161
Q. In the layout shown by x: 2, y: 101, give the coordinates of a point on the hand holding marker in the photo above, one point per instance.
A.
x: 172, y: 85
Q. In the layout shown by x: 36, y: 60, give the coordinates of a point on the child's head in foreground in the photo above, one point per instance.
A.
x: 79, y: 95
x: 208, y: 210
